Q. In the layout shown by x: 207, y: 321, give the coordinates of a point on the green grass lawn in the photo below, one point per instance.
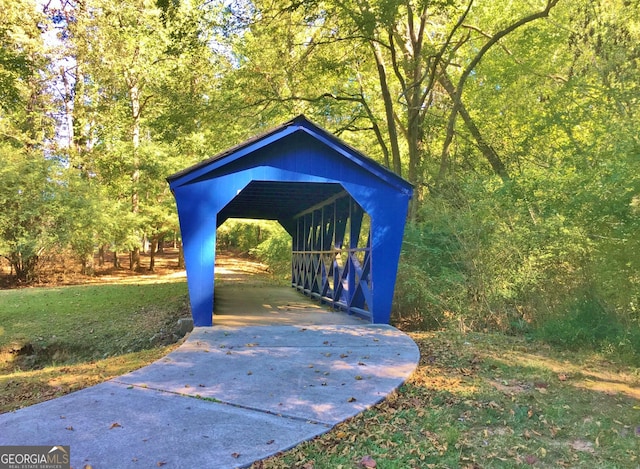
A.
x: 55, y: 340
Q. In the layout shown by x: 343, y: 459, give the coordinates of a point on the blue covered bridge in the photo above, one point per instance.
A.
x: 344, y: 212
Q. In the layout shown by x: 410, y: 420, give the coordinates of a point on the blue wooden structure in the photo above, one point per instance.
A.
x: 345, y: 213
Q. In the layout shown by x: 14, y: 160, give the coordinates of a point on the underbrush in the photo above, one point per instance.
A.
x: 475, y: 263
x: 585, y: 323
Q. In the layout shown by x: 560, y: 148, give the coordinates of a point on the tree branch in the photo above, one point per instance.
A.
x: 499, y: 35
x: 456, y: 95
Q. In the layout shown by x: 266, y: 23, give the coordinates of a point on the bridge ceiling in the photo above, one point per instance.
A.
x: 277, y: 200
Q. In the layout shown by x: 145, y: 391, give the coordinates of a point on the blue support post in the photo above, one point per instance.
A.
x: 199, y: 242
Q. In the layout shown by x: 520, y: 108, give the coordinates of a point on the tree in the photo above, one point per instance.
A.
x: 126, y: 65
x: 398, y: 57
x: 29, y: 173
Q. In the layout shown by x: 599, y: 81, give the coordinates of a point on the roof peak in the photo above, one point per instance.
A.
x: 300, y: 123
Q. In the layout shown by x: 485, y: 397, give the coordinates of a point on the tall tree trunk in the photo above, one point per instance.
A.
x: 68, y: 108
x: 134, y: 94
x: 388, y: 108
x: 180, y: 255
x: 152, y: 253
x: 487, y: 150
x: 87, y: 264
x: 101, y: 255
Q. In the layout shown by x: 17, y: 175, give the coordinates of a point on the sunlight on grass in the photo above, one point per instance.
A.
x: 61, y: 339
x: 441, y: 380
x: 22, y: 388
x: 597, y: 375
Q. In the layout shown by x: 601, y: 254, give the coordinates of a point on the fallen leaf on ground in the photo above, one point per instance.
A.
x: 583, y: 446
x: 368, y: 461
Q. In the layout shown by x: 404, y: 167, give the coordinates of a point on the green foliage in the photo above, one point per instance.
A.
x: 566, y: 220
x: 241, y: 236
x: 31, y: 212
x: 265, y: 240
x: 485, y: 258
x: 430, y: 284
x: 275, y: 251
x: 585, y: 323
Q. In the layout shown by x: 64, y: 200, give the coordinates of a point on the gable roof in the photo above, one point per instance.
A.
x: 298, y: 124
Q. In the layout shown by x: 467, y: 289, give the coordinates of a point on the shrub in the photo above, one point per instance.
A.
x: 265, y: 240
x: 275, y: 251
x: 585, y: 323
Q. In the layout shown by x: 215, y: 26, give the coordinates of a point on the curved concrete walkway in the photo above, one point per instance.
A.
x: 228, y: 396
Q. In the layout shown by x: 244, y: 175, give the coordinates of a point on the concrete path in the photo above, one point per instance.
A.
x: 228, y: 396
x: 248, y: 304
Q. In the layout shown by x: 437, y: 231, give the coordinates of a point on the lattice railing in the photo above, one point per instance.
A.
x: 332, y: 255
